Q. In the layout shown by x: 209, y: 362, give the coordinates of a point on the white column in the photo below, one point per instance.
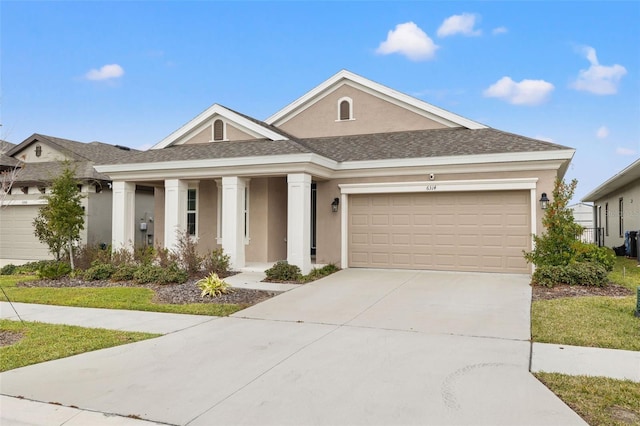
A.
x: 233, y: 219
x: 299, y: 221
x: 175, y: 211
x: 123, y: 215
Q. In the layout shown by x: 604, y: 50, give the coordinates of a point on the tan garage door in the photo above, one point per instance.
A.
x: 455, y: 231
x: 17, y: 242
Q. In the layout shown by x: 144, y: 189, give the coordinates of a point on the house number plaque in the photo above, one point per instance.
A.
x: 431, y: 188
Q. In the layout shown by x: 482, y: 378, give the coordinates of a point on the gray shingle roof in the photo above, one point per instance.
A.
x: 5, y: 160
x: 85, y: 156
x: 425, y: 143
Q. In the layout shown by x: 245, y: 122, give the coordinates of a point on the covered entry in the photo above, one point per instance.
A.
x: 453, y: 231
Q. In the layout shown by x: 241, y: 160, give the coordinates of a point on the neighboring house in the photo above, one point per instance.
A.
x: 617, y: 205
x: 352, y: 173
x: 40, y: 161
x: 6, y: 162
x: 583, y: 216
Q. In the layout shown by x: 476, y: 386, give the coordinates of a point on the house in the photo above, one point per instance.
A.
x: 617, y: 205
x: 352, y: 173
x: 583, y: 216
x: 38, y: 160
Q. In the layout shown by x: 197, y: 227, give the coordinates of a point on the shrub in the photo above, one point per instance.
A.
x: 317, y: 273
x: 217, y: 262
x: 124, y: 272
x: 157, y: 274
x: 121, y: 256
x: 603, y: 256
x: 9, y: 269
x: 31, y: 267
x: 165, y: 257
x: 53, y: 270
x: 144, y: 255
x: 187, y: 253
x: 575, y: 273
x: 283, y: 271
x: 213, y: 286
x: 99, y: 271
x: 86, y: 255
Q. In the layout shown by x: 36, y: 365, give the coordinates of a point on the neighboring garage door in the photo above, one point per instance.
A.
x: 452, y: 231
x: 17, y: 242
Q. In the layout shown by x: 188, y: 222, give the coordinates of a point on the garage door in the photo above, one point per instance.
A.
x: 17, y: 242
x: 454, y: 231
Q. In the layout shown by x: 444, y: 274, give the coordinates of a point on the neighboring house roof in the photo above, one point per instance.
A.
x: 346, y: 77
x: 630, y: 174
x: 84, y: 155
x: 5, y: 160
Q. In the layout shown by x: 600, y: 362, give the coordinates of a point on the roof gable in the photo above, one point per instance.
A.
x: 345, y: 77
x: 243, y: 123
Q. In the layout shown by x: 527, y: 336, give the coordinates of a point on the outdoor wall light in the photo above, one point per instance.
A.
x: 544, y: 201
x: 335, y: 204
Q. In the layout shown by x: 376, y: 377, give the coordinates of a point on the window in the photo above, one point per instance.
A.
x: 621, y: 215
x: 38, y: 150
x: 191, y: 212
x: 24, y: 189
x: 218, y: 130
x: 345, y: 109
x: 606, y: 219
x: 246, y: 213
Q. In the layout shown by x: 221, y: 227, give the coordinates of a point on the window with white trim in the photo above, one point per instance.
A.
x: 345, y: 109
x: 245, y: 204
x: 606, y: 219
x: 621, y: 216
x: 192, y: 217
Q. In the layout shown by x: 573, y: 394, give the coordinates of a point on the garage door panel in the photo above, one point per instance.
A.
x: 17, y: 240
x: 480, y: 231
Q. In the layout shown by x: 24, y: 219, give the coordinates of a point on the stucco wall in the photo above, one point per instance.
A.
x: 256, y: 249
x: 207, y: 216
x: 158, y: 209
x: 371, y: 115
x: 98, y: 217
x: 630, y: 195
x: 205, y: 135
x: 48, y: 154
x: 277, y: 245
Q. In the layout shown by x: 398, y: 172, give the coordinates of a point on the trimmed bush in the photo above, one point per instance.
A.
x: 9, y: 269
x: 213, y: 286
x: 283, y: 271
x: 317, y: 273
x: 53, y: 270
x: 99, y: 271
x: 603, y: 256
x: 144, y: 255
x: 575, y: 273
x: 146, y: 274
x: 217, y: 262
x: 124, y: 272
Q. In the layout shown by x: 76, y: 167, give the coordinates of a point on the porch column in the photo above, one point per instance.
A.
x: 175, y: 211
x: 299, y: 221
x: 233, y: 219
x: 123, y: 215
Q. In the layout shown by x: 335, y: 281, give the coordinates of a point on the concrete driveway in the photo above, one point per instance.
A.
x: 359, y: 347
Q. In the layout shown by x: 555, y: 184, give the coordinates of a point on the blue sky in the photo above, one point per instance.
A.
x: 130, y: 73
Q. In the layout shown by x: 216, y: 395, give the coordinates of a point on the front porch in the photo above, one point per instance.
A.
x: 256, y: 220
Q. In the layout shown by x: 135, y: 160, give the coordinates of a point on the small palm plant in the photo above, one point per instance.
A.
x: 213, y: 286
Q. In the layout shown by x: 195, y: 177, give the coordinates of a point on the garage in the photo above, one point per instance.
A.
x: 17, y: 241
x: 483, y: 231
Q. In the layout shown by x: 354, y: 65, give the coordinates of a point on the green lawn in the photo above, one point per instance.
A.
x: 45, y: 342
x: 132, y: 298
x: 598, y: 400
x: 598, y: 321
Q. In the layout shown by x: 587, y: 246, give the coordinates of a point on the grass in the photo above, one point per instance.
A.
x: 598, y: 321
x: 45, y: 342
x: 598, y: 400
x: 137, y: 299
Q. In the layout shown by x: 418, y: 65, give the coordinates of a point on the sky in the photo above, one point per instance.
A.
x: 132, y: 72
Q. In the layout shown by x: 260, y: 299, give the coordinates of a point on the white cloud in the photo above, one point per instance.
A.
x: 499, y: 30
x: 105, y: 73
x: 459, y: 24
x: 625, y: 151
x: 526, y: 92
x: 408, y: 40
x: 599, y: 79
x: 602, y: 132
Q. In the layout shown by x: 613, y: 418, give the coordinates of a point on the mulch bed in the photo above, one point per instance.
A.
x: 166, y: 293
x: 565, y: 290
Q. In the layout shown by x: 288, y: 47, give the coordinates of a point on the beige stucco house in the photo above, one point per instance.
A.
x: 353, y: 173
x: 38, y: 160
x: 617, y: 205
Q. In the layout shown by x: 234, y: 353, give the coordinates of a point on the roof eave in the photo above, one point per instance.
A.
x: 617, y: 181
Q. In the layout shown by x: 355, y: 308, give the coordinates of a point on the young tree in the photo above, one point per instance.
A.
x: 557, y: 245
x: 60, y: 221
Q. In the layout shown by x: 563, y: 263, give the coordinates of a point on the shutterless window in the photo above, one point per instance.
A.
x: 621, y: 215
x: 246, y: 214
x: 218, y: 130
x: 191, y: 212
x: 345, y: 110
x: 606, y: 219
